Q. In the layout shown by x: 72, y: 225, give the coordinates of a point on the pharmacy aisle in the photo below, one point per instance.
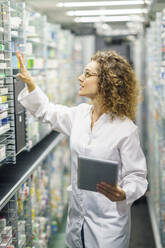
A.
x: 58, y: 39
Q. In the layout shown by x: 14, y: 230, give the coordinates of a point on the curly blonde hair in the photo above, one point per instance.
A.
x: 118, y: 86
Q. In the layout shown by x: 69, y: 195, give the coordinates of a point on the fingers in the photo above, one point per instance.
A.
x: 23, y: 58
x: 21, y: 76
x: 20, y: 59
x: 107, y: 194
x: 114, y: 193
x: 108, y: 190
x: 110, y: 187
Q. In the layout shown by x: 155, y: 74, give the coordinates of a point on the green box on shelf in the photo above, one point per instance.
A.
x: 30, y: 63
x: 1, y: 47
x: 2, y: 75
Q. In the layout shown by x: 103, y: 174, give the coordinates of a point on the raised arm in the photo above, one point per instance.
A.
x: 60, y: 117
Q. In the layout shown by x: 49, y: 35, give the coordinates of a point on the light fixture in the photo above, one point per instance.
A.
x: 101, y: 3
x: 106, y: 12
x: 89, y: 19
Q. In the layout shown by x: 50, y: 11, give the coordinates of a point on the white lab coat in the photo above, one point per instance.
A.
x: 106, y: 223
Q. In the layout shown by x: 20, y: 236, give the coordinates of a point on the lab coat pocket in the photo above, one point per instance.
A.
x: 106, y: 206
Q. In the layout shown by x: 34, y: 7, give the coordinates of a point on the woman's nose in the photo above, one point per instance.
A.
x: 80, y: 77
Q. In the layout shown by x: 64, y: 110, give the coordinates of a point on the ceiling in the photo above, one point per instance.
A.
x: 60, y: 14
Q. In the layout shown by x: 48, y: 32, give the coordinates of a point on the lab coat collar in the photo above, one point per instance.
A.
x: 102, y: 117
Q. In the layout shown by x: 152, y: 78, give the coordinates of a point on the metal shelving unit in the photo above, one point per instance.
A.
x: 9, y: 183
x: 9, y: 232
x: 17, y: 30
x: 11, y: 39
x: 16, y: 203
x: 7, y: 127
x: 155, y: 124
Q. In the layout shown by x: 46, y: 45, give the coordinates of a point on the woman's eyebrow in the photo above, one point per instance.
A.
x: 86, y: 69
x: 89, y: 70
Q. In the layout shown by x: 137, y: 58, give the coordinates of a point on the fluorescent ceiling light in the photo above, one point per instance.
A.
x: 109, y: 19
x: 101, y: 3
x: 106, y: 12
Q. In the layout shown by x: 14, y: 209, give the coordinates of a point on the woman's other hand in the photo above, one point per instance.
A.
x: 114, y: 193
x: 24, y: 75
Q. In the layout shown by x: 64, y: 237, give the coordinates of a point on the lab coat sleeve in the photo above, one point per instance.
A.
x: 134, y: 170
x: 58, y: 116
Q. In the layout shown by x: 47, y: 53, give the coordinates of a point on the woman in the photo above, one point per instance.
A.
x: 104, y: 130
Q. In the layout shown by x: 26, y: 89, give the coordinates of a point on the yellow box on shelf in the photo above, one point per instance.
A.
x: 3, y: 99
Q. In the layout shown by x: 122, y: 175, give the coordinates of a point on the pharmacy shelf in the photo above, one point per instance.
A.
x: 155, y: 146
x: 13, y: 176
x: 154, y: 223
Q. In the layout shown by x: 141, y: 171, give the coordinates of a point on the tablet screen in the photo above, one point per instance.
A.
x: 92, y: 171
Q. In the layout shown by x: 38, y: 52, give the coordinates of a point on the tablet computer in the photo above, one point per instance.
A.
x: 92, y: 171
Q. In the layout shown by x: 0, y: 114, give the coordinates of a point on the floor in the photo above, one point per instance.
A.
x: 141, y: 231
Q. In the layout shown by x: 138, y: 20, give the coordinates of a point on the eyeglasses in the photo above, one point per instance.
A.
x: 87, y: 74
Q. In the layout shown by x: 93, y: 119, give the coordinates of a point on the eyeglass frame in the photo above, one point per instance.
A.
x: 90, y: 74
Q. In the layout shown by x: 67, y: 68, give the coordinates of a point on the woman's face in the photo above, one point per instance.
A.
x: 89, y: 81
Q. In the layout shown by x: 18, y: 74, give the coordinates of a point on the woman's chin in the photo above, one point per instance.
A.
x: 81, y: 93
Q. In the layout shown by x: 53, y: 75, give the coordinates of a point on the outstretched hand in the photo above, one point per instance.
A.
x: 114, y: 193
x: 24, y: 75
